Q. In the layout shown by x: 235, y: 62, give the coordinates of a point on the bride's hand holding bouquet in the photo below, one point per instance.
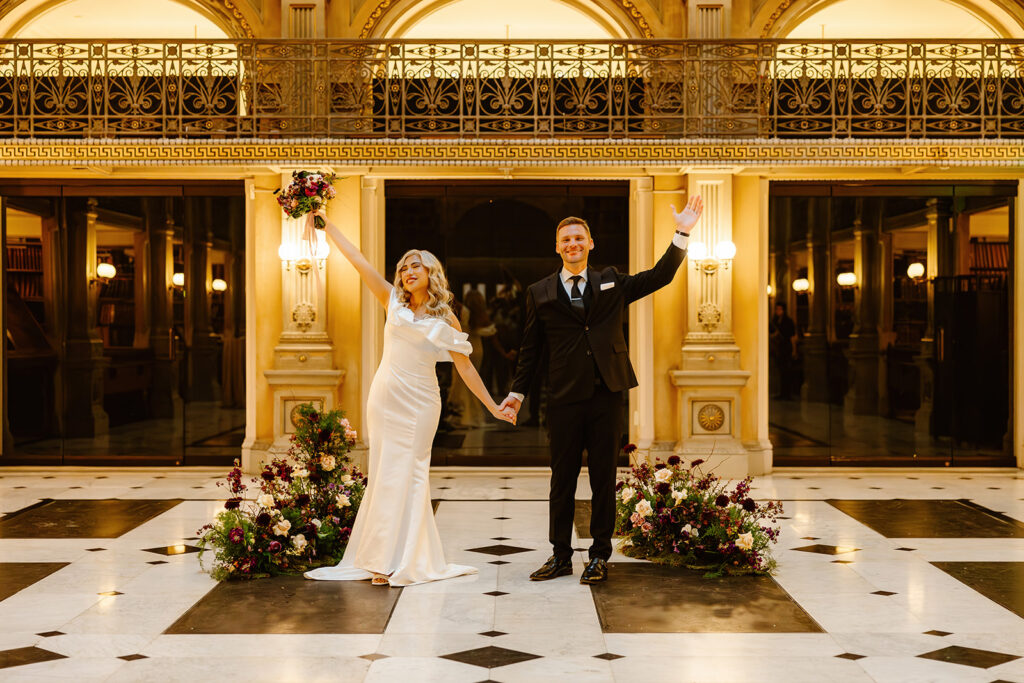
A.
x: 307, y: 193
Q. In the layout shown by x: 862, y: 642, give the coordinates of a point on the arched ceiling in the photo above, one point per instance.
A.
x: 114, y: 19
x: 486, y: 19
x: 903, y: 19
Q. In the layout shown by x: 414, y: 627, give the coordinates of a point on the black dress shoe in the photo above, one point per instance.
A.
x: 595, y: 572
x: 553, y: 568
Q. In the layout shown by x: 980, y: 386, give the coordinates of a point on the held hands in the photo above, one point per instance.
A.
x: 511, y: 403
x: 504, y: 412
x: 688, y: 217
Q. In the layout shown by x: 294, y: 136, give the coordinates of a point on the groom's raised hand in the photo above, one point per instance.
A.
x: 688, y: 217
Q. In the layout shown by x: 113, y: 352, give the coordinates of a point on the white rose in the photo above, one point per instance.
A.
x: 347, y: 479
x: 663, y: 474
x: 745, y: 541
x: 644, y: 508
x: 316, y: 523
x: 342, y: 500
x: 627, y: 494
x: 678, y: 495
x: 299, y: 541
x: 282, y: 527
x: 301, y: 473
x: 688, y: 530
x: 328, y: 463
x: 265, y: 501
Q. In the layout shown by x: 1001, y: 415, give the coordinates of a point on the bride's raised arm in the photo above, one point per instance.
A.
x: 379, y: 287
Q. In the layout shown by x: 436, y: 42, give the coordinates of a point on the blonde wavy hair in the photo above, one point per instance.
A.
x: 439, y: 296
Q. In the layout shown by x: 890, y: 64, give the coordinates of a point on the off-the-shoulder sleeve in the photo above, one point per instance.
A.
x: 442, y: 336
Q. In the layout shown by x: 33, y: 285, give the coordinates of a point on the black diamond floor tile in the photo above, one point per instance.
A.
x: 157, y: 562
x: 936, y: 632
x: 373, y: 657
x: 502, y: 518
x: 26, y: 655
x: 132, y: 658
x: 500, y: 538
x: 495, y: 593
x: 824, y: 549
x: 500, y: 550
x: 50, y: 634
x: 499, y: 562
x: 969, y: 656
x: 110, y: 593
x: 490, y: 657
x: 608, y: 656
x: 493, y: 634
x: 851, y: 656
x: 886, y: 593
x: 169, y: 550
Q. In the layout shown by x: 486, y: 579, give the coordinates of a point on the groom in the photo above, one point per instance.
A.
x: 575, y: 317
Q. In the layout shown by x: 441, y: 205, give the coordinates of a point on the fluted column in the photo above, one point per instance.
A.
x: 84, y: 363
x: 863, y: 352
x: 164, y: 398
x: 940, y: 260
x: 815, y: 343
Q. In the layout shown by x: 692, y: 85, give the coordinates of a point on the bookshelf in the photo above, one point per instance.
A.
x: 25, y: 274
x: 116, y: 307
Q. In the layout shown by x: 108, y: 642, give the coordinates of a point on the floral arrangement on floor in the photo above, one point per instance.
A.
x: 307, y: 192
x: 303, y: 514
x: 677, y: 514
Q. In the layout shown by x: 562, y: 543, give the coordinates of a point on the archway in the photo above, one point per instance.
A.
x: 127, y: 19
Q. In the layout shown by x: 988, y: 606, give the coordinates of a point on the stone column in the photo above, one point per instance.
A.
x: 863, y: 353
x: 815, y: 342
x: 84, y: 362
x: 232, y: 364
x: 641, y: 316
x: 886, y: 335
x: 202, y: 345
x: 164, y: 398
x: 709, y: 380
x: 940, y: 260
x: 303, y: 370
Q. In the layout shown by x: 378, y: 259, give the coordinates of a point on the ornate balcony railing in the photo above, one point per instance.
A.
x: 402, y: 88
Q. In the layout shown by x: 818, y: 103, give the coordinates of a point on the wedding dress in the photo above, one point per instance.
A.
x: 394, y: 532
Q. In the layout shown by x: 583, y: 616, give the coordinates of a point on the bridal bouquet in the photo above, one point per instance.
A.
x: 307, y: 192
x: 677, y: 514
x: 302, y: 515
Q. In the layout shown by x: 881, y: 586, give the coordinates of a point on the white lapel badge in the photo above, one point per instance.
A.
x: 607, y: 285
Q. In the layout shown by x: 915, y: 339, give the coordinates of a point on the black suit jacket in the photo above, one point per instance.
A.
x: 579, y: 345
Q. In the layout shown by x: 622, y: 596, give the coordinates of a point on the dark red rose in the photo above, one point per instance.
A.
x: 267, y: 475
x: 722, y: 500
x: 263, y: 518
x: 619, y: 485
x: 629, y: 448
x: 232, y: 503
x: 302, y: 499
x: 673, y: 460
x: 749, y: 505
x: 696, y: 462
x: 274, y: 547
x: 663, y: 488
x: 236, y: 535
x: 659, y: 466
x: 314, y: 416
x: 325, y: 433
x: 315, y: 476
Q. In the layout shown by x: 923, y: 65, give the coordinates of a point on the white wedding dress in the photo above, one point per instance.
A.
x: 394, y: 532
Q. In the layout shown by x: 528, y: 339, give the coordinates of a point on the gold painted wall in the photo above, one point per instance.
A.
x: 747, y: 292
x: 264, y: 321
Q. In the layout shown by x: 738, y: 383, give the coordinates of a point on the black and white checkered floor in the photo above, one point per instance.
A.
x: 885, y: 577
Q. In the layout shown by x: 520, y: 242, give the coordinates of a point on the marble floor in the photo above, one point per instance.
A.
x: 901, y: 576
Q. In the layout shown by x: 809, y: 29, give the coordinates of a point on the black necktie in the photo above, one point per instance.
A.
x: 575, y: 296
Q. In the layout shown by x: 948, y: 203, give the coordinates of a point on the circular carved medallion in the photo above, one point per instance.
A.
x: 711, y: 417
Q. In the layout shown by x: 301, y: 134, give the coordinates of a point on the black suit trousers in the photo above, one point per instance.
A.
x: 594, y: 425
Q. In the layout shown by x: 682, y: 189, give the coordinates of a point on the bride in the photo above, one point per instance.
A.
x: 394, y: 539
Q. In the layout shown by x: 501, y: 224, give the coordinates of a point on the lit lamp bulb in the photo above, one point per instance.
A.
x: 105, y: 271
x: 219, y: 285
x: 846, y: 279
x: 915, y: 270
x: 178, y: 279
x: 725, y: 250
x: 287, y: 251
x: 771, y: 290
x: 801, y: 285
x: 698, y: 251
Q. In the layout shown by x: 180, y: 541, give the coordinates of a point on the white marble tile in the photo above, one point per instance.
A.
x: 282, y: 666
x: 720, y: 669
x: 408, y: 669
x: 442, y: 613
x: 76, y: 669
x: 247, y: 645
x: 556, y: 670
x: 917, y: 670
x: 756, y: 645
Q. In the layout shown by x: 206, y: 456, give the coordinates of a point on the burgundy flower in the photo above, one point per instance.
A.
x: 696, y: 462
x: 660, y: 466
x: 302, y: 499
x: 749, y: 505
x: 673, y: 460
x: 619, y: 485
x: 263, y: 518
x: 629, y: 448
x: 267, y: 475
x: 232, y: 503
x: 314, y: 416
x: 236, y: 535
x: 274, y: 547
x: 315, y: 476
x: 722, y: 500
x: 663, y: 488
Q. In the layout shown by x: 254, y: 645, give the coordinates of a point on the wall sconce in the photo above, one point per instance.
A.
x: 846, y: 279
x: 291, y: 254
x: 177, y: 280
x: 104, y: 272
x: 770, y: 290
x: 724, y: 253
x: 801, y: 285
x: 219, y: 285
x: 915, y: 271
